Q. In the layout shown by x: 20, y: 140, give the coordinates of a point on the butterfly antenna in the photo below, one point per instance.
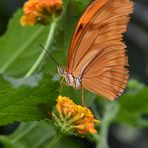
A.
x: 49, y: 55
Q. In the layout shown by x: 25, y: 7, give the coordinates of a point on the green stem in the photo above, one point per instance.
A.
x: 101, y: 138
x: 11, y: 142
x: 55, y: 140
x: 6, y: 141
x: 25, y: 132
x: 48, y: 43
x: 20, y: 50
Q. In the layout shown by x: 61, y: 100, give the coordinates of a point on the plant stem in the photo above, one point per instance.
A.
x: 55, y: 140
x: 48, y: 43
x: 111, y: 110
x: 6, y: 141
x: 103, y: 140
x: 25, y: 132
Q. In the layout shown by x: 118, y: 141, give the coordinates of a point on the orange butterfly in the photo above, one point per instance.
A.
x: 97, y: 60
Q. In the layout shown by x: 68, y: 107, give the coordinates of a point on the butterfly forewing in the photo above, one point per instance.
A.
x: 81, y: 28
x: 97, y: 53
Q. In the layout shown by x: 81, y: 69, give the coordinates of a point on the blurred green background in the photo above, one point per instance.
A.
x: 136, y: 38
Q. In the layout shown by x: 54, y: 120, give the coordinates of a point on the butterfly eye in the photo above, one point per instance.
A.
x: 61, y: 70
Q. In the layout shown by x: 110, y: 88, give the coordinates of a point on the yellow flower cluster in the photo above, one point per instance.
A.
x: 40, y: 11
x: 74, y: 118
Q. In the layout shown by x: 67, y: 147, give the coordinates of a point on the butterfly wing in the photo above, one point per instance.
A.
x: 97, y: 54
x: 107, y: 73
x: 80, y: 29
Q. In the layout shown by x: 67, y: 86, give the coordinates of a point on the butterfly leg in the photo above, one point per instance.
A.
x: 83, y: 102
x: 61, y: 83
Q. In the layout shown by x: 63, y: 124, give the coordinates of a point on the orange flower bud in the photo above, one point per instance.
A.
x: 40, y: 11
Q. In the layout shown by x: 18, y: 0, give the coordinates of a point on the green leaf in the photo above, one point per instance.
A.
x: 30, y: 134
x: 38, y: 135
x: 134, y: 105
x: 19, y: 46
x: 27, y: 103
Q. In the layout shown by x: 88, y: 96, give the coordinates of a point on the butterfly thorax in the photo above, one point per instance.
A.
x: 69, y: 78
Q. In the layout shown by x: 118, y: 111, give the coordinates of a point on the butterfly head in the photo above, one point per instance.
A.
x: 61, y: 70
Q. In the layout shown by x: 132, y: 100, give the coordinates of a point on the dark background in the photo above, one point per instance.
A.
x: 137, y: 41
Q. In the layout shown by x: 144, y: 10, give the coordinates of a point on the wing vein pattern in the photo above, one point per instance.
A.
x: 97, y: 52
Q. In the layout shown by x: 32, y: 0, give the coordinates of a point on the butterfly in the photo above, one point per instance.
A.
x: 97, y: 59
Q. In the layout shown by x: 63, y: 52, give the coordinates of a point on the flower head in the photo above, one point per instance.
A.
x: 40, y: 11
x: 72, y: 118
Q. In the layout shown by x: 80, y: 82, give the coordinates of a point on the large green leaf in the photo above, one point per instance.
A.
x: 134, y: 105
x: 38, y: 135
x: 26, y: 103
x: 18, y: 46
x: 31, y: 134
